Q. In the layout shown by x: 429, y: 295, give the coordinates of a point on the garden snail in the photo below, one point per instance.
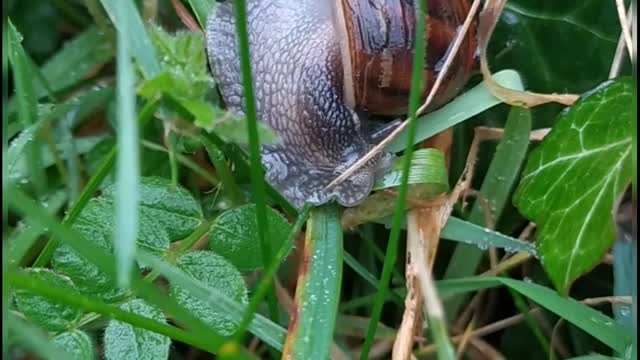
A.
x: 319, y: 67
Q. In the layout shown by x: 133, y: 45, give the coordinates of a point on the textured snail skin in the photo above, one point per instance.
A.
x: 296, y: 69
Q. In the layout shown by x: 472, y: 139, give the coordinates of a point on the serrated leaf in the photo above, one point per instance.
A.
x: 166, y: 215
x: 76, y: 343
x: 215, y: 272
x: 234, y: 236
x: 45, y: 312
x: 124, y: 341
x: 572, y: 179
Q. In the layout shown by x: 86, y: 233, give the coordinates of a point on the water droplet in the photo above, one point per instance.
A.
x: 528, y: 280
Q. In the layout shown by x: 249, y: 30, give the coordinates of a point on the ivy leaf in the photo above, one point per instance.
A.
x: 234, y: 236
x: 42, y: 311
x: 124, y: 341
x: 77, y: 343
x: 166, y: 214
x: 216, y: 272
x: 573, y: 178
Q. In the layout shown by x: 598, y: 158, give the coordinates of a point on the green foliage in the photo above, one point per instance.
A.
x: 46, y: 313
x: 572, y: 179
x: 77, y: 343
x: 124, y: 341
x: 94, y: 86
x: 215, y: 272
x: 233, y: 235
x: 166, y: 215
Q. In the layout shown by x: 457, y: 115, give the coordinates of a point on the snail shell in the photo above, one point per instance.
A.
x: 314, y: 64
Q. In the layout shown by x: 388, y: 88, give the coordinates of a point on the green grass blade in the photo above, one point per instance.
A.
x: 145, y: 115
x: 35, y: 339
x: 483, y: 238
x: 229, y: 185
x: 589, y: 320
x: 128, y: 169
x: 127, y: 20
x: 202, y: 9
x: 369, y: 277
x: 465, y: 106
x: 27, y: 106
x: 257, y: 178
x: 394, y: 237
x: 496, y: 188
x: 310, y: 332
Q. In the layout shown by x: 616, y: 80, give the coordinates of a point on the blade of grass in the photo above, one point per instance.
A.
x: 145, y: 115
x: 202, y: 9
x: 127, y: 195
x: 496, y: 188
x: 229, y: 185
x: 589, y: 320
x: 257, y: 178
x: 369, y: 277
x: 310, y: 333
x: 185, y: 161
x: 394, y: 237
x: 71, y: 65
x: 27, y: 106
x: 522, y: 307
x: 106, y: 263
x: 465, y: 106
x: 35, y: 339
x: 127, y: 20
x: 25, y: 281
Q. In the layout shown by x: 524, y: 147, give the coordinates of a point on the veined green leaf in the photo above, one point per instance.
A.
x: 77, y: 343
x: 573, y: 178
x: 125, y: 341
x: 35, y: 339
x: 233, y: 235
x: 260, y: 326
x: 49, y: 314
x: 166, y: 214
x: 214, y: 272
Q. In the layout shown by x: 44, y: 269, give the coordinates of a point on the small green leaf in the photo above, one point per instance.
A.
x: 233, y: 235
x: 573, y: 178
x: 124, y: 341
x: 49, y: 314
x: 77, y: 343
x: 174, y: 209
x: 215, y: 272
x: 166, y: 214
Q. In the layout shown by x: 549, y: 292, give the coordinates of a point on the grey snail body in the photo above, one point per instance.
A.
x: 314, y: 70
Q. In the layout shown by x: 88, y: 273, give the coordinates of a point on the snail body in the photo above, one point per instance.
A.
x: 318, y: 66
